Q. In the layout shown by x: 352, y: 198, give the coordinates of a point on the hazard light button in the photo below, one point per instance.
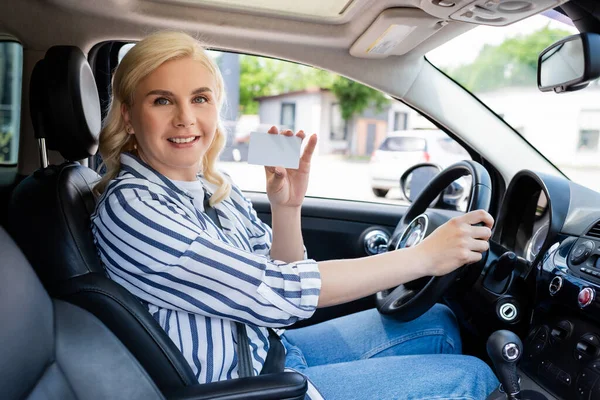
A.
x: 586, y: 297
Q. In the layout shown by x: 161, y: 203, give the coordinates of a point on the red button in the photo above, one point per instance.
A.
x: 586, y: 297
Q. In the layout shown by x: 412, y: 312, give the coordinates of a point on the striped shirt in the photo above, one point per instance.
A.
x: 197, y: 279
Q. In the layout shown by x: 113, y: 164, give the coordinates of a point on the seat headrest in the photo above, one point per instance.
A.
x: 64, y: 103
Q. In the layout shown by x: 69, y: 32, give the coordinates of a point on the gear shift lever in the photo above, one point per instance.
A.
x: 505, y: 349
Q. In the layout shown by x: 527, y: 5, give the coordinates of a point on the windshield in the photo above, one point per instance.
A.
x: 499, y: 66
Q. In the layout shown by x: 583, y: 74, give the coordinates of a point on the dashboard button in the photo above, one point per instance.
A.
x: 586, y: 297
x: 564, y: 378
x: 578, y: 251
x: 553, y: 370
x: 581, y: 356
x: 537, y: 347
x: 583, y: 347
x: 555, y: 285
x: 542, y: 334
x: 591, y: 339
x: 582, y: 251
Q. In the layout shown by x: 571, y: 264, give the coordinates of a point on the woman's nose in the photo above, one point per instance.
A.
x: 184, y: 117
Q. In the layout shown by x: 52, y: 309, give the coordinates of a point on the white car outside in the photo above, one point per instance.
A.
x: 401, y: 150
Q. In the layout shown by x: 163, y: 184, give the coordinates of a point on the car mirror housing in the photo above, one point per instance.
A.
x: 569, y: 64
x: 414, y: 179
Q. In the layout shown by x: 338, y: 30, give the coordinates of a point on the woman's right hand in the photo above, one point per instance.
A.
x: 456, y: 243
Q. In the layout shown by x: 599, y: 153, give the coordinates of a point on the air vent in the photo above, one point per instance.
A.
x: 595, y: 231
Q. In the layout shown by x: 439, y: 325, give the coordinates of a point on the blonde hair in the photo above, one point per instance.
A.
x: 143, y: 59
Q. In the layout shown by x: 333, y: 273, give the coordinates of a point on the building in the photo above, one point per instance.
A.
x: 317, y: 110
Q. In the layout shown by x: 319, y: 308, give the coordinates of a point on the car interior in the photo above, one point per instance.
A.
x: 70, y: 332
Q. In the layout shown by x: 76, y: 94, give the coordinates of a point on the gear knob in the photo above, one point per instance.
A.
x: 505, y: 349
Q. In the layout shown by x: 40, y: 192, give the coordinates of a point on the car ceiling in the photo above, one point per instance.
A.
x: 226, y: 24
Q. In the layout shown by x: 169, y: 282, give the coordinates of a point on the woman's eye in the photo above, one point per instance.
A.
x: 161, y: 101
x: 200, y: 99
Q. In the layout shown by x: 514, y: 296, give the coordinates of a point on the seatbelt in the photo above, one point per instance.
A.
x: 243, y: 344
x: 275, y: 360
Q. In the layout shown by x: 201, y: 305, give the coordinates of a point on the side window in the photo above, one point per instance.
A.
x: 366, y: 140
x: 11, y: 69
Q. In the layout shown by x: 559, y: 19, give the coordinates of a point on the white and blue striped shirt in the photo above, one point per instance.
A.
x: 196, y: 279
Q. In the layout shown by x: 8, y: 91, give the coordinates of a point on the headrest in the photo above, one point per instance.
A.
x: 64, y: 103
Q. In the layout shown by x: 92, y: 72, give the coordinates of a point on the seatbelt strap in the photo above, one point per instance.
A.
x: 243, y: 344
x: 275, y: 361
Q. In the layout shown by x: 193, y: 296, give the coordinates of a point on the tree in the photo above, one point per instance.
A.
x: 355, y: 97
x: 266, y: 77
x: 511, y: 63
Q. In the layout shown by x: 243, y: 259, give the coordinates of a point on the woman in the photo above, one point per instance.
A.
x: 206, y: 280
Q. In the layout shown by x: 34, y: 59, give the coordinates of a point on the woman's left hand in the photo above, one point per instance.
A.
x: 286, y: 187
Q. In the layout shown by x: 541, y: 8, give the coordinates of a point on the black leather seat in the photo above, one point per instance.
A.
x: 50, y: 349
x: 49, y: 218
x: 49, y: 215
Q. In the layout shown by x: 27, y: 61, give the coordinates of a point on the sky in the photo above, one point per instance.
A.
x: 465, y: 48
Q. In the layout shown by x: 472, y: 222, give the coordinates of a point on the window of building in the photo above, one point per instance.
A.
x: 338, y: 125
x: 589, y: 130
x: 288, y: 116
x: 588, y: 140
x: 400, y: 121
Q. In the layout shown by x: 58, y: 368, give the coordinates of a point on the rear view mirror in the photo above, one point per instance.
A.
x: 569, y: 64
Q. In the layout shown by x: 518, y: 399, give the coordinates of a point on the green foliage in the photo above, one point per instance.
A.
x: 267, y: 77
x: 354, y: 97
x: 511, y: 63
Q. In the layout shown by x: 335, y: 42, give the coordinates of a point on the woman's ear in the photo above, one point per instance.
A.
x: 126, y: 114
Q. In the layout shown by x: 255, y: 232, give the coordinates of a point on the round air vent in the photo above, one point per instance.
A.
x: 555, y: 285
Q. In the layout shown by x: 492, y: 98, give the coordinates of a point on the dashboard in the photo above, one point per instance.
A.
x: 541, y: 225
x: 547, y: 293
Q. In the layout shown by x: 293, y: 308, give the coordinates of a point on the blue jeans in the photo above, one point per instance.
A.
x: 371, y: 356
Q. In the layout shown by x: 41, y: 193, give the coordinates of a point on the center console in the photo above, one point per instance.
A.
x: 562, y: 351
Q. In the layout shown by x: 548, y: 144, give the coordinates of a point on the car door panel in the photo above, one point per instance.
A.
x: 333, y: 229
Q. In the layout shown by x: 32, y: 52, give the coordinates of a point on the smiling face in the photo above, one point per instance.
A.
x: 174, y: 117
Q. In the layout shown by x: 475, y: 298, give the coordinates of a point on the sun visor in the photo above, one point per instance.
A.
x: 395, y: 32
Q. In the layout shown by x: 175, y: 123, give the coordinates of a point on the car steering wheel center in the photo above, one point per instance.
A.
x: 414, y: 232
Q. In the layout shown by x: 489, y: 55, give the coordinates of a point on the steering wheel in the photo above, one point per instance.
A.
x: 411, y: 300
